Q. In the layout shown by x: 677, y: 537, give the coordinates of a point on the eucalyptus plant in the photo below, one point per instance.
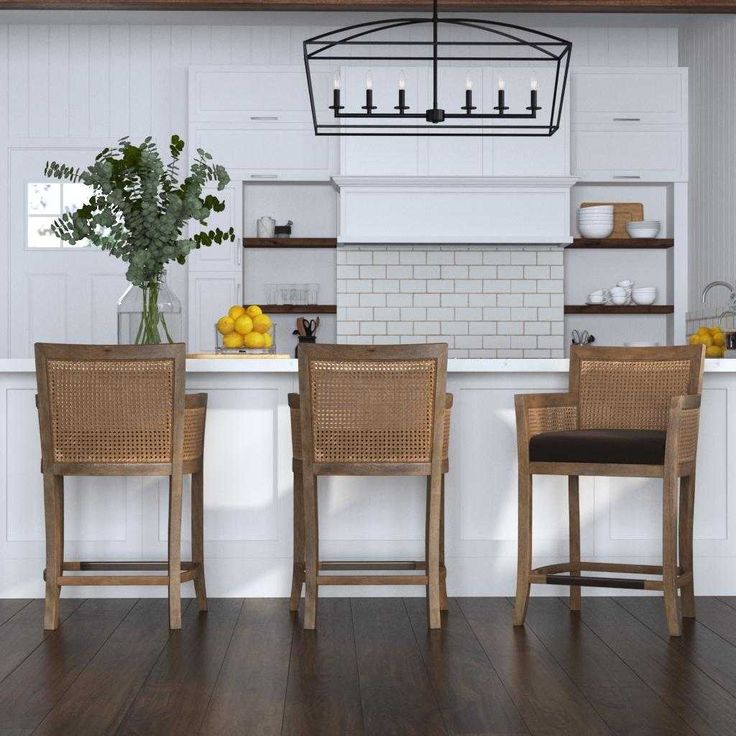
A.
x: 138, y: 211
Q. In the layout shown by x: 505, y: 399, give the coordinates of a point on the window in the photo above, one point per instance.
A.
x: 45, y: 201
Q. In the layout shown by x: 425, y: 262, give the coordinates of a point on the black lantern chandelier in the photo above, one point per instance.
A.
x: 431, y: 55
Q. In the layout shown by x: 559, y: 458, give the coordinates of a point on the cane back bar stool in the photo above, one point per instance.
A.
x: 120, y: 410
x: 369, y: 410
x: 629, y: 412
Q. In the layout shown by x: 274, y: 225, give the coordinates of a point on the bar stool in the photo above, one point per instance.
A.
x: 120, y: 410
x: 630, y: 412
x: 369, y: 410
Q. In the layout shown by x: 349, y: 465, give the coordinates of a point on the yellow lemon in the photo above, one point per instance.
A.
x: 714, y: 330
x: 235, y: 311
x: 225, y: 325
x: 253, y: 311
x: 254, y: 340
x: 713, y: 351
x: 267, y: 340
x: 243, y: 324
x: 694, y: 339
x: 262, y: 323
x: 706, y: 340
x: 719, y: 339
x: 233, y: 340
x: 703, y: 331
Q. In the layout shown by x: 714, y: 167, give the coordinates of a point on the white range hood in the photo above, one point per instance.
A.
x: 465, y: 210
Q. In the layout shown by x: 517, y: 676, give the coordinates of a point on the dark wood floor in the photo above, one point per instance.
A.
x: 247, y: 667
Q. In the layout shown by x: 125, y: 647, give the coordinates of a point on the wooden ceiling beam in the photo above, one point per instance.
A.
x: 549, y: 6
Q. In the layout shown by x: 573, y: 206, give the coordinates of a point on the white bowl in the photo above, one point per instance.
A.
x: 644, y: 223
x: 598, y: 208
x: 643, y: 229
x: 595, y: 230
x: 625, y: 283
x: 644, y: 299
x: 618, y: 290
x: 595, y: 299
x: 619, y: 299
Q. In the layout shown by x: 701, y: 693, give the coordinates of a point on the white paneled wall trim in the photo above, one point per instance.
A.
x: 248, y: 514
x: 484, y: 302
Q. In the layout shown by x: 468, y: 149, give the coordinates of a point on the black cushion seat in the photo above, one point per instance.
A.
x: 624, y: 446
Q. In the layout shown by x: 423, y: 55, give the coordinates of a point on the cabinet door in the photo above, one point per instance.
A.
x: 268, y: 151
x: 629, y: 95
x: 210, y: 296
x: 646, y: 155
x: 227, y: 255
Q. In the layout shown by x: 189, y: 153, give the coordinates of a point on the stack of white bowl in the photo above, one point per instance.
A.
x: 596, y: 221
x: 644, y: 295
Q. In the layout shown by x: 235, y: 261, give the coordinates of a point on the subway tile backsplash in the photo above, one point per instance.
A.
x: 484, y: 302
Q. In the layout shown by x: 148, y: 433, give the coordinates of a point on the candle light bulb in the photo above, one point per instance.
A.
x: 368, y: 81
x: 468, y: 83
x: 500, y: 84
x: 534, y: 85
x: 336, y: 81
x: 402, y: 81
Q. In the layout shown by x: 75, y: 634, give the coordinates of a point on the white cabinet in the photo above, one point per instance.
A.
x: 629, y: 124
x: 256, y: 121
x: 629, y: 95
x: 630, y: 155
x: 225, y: 256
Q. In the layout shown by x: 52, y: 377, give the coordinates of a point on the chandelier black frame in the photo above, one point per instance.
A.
x: 530, y: 45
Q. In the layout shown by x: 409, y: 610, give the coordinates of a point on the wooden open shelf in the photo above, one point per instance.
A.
x: 630, y: 243
x: 289, y: 242
x: 299, y: 308
x: 613, y: 309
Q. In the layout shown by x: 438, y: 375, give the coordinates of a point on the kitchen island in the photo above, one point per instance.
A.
x: 248, y: 491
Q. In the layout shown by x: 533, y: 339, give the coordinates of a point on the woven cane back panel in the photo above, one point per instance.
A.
x: 111, y: 411
x: 372, y: 411
x: 552, y: 419
x: 630, y: 394
x: 687, y: 445
x: 194, y: 432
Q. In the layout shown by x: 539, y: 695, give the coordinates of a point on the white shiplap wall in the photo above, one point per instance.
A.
x: 708, y: 47
x: 73, y: 79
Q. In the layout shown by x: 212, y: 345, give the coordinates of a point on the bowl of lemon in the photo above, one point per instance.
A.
x: 245, y: 330
x: 713, y: 338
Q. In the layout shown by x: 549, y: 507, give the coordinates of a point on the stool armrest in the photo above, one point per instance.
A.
x: 682, y: 429
x: 537, y: 413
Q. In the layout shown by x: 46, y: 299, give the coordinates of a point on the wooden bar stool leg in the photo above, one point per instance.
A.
x: 175, y: 491
x: 573, y: 495
x: 669, y: 553
x: 198, y: 537
x: 524, y: 552
x: 443, y: 570
x: 52, y: 490
x: 433, y: 552
x: 297, y: 575
x: 311, y: 549
x: 687, y: 507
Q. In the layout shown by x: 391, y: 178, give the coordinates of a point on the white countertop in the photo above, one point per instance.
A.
x: 255, y: 365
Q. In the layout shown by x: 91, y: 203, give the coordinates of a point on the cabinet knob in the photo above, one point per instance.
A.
x: 264, y: 176
x: 264, y: 117
x: 627, y: 120
x: 626, y: 176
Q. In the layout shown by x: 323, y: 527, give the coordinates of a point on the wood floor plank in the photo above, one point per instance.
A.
x: 248, y: 699
x: 10, y: 606
x: 323, y: 692
x: 718, y: 616
x: 471, y: 696
x: 550, y: 703
x: 703, y: 647
x: 396, y: 693
x: 36, y: 685
x: 175, y: 695
x: 21, y: 634
x: 97, y: 701
x: 618, y: 694
x: 686, y: 689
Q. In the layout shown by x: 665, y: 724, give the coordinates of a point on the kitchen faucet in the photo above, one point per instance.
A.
x: 731, y: 289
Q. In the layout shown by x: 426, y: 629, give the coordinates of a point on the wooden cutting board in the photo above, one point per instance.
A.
x: 238, y: 356
x: 623, y: 213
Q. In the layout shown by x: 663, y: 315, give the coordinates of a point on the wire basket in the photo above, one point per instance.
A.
x: 220, y: 348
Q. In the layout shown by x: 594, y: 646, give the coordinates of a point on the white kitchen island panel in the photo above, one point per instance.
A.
x: 248, y: 491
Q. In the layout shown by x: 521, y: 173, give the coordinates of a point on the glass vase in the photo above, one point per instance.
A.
x: 150, y: 315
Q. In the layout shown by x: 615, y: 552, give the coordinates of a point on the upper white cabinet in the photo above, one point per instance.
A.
x: 629, y: 124
x: 256, y: 121
x: 629, y: 95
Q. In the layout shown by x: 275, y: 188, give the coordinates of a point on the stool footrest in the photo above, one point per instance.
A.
x: 188, y: 571
x: 372, y: 579
x: 592, y: 582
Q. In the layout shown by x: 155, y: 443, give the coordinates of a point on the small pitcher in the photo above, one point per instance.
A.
x: 266, y: 227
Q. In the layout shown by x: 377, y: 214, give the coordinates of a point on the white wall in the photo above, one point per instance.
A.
x: 708, y: 47
x: 68, y: 80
